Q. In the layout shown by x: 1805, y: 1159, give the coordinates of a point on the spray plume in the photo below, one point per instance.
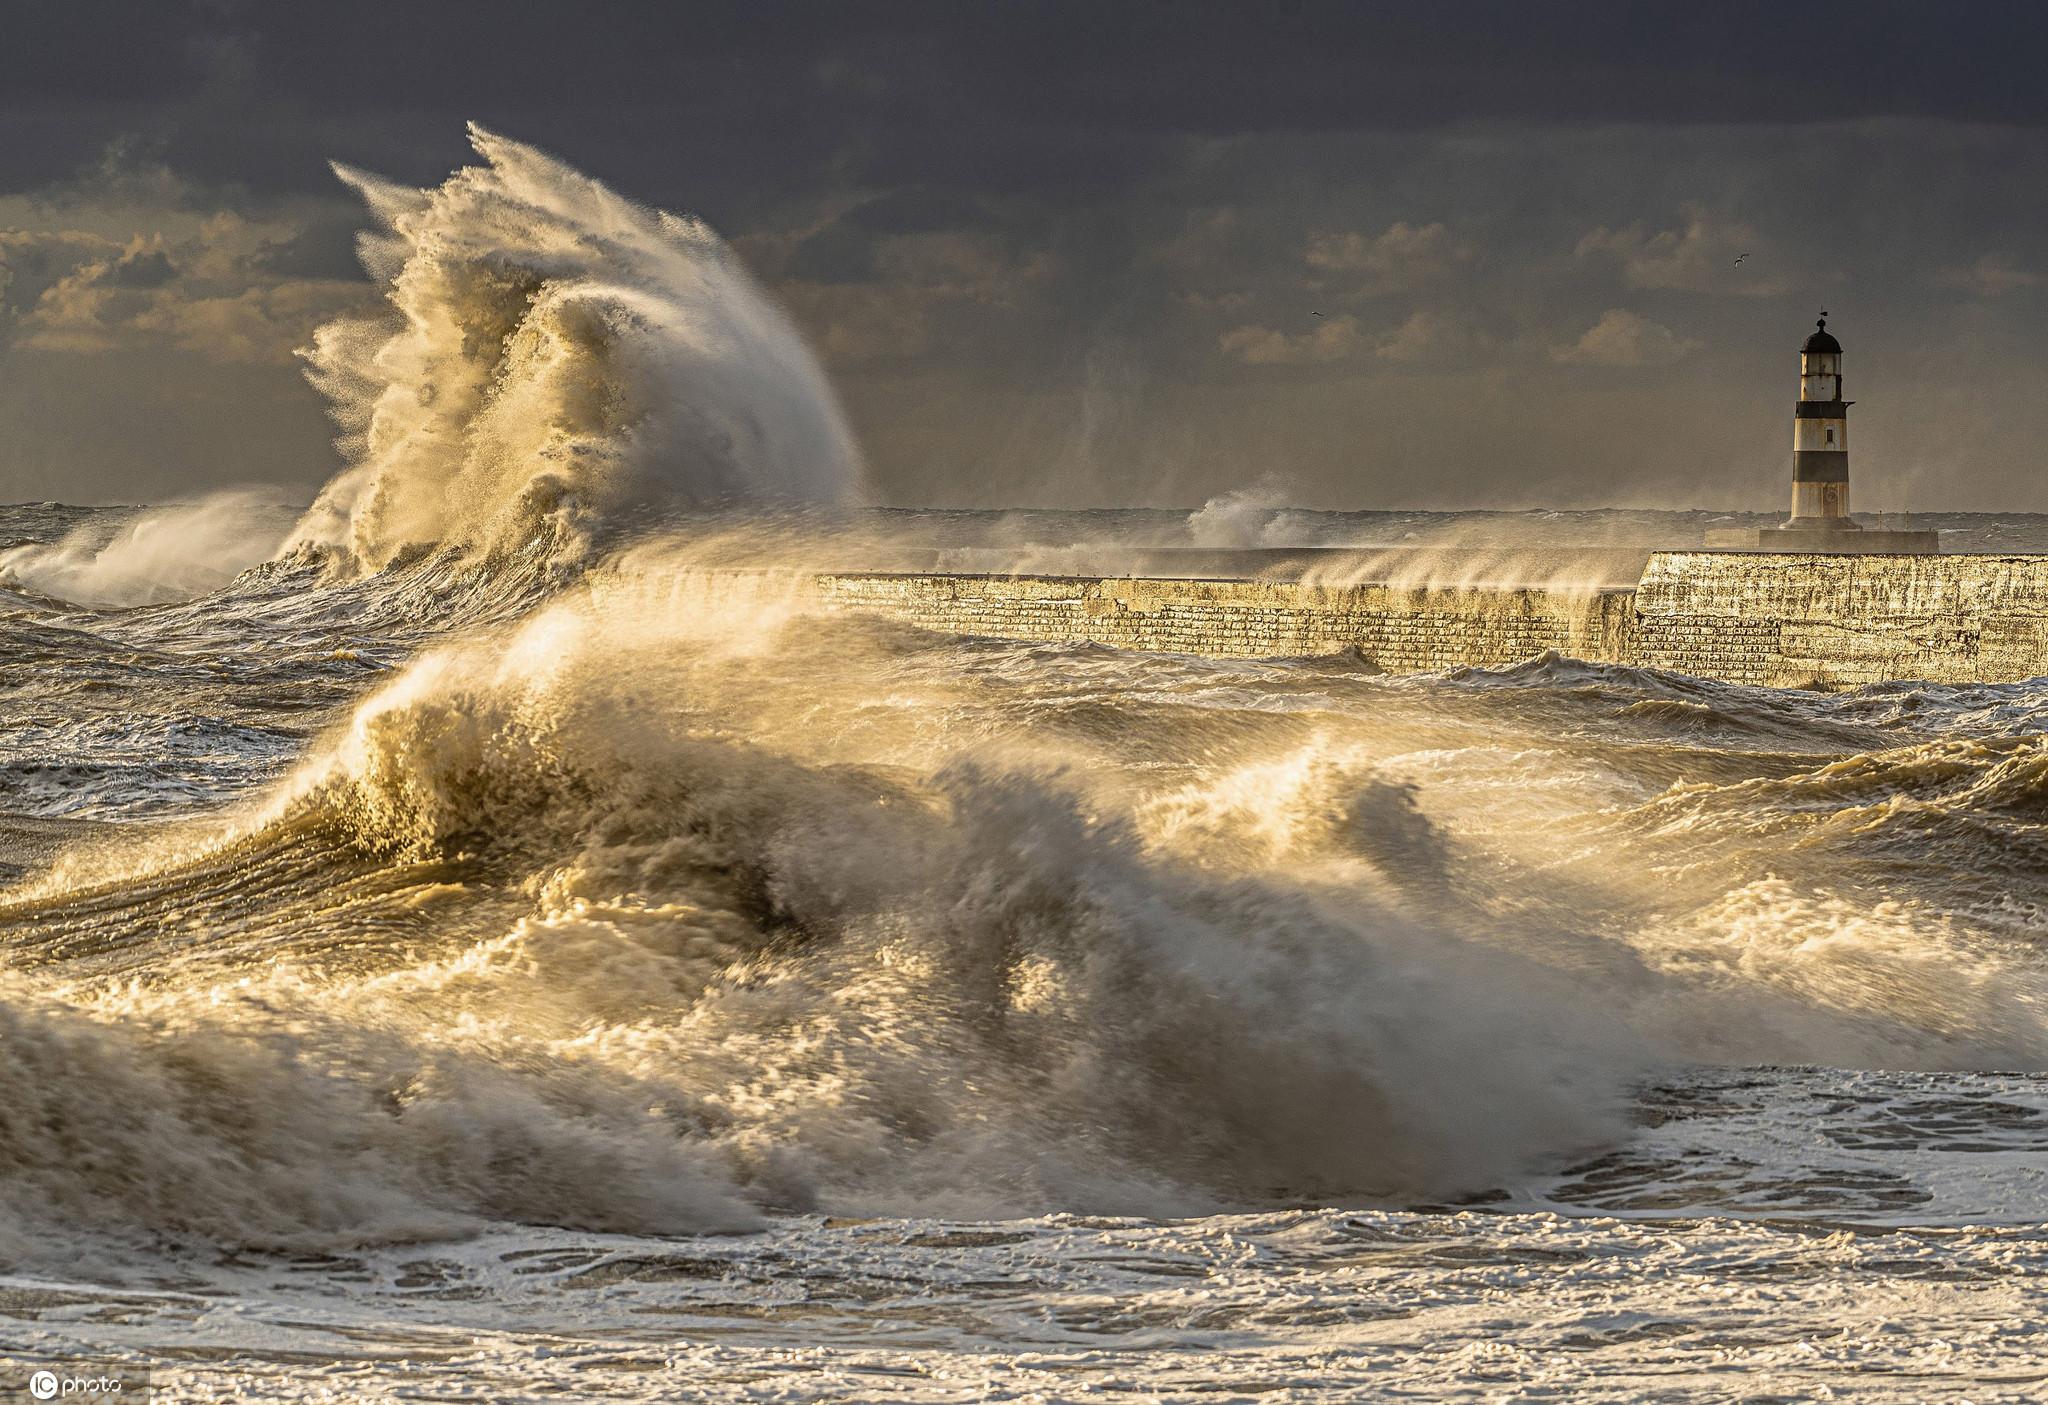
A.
x: 552, y: 357
x: 168, y: 554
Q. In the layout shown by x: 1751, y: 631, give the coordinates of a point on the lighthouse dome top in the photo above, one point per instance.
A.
x: 1821, y: 340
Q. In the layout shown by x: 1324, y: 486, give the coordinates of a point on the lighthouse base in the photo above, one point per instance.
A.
x: 1832, y: 540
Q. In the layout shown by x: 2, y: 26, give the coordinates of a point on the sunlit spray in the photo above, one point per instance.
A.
x: 552, y: 358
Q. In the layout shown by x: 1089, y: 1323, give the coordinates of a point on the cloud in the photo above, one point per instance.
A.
x: 1331, y: 339
x: 930, y: 238
x: 1992, y: 276
x: 209, y: 296
x: 1230, y: 302
x: 263, y: 324
x: 1196, y: 264
x: 962, y: 264
x: 91, y: 312
x: 1700, y: 258
x: 863, y: 324
x: 1432, y: 338
x: 33, y: 259
x: 1621, y: 338
x: 888, y: 279
x: 1210, y: 243
x: 128, y: 255
x: 142, y: 265
x: 903, y: 295
x: 1400, y: 259
x: 1427, y: 337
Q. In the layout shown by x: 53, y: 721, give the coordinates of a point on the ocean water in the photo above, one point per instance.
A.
x: 490, y: 936
x: 443, y: 985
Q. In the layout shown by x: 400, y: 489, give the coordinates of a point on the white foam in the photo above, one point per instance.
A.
x: 556, y: 358
x: 171, y: 553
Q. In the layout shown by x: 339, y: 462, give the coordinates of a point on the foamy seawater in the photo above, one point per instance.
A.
x: 494, y: 935
x: 485, y: 978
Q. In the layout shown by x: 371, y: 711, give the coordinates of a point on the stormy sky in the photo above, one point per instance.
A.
x: 1075, y: 254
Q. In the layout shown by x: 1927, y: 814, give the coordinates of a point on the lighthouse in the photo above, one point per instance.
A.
x: 1820, y: 519
x: 1820, y: 439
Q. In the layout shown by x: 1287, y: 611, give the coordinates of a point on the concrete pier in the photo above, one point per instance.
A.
x: 1783, y: 620
x: 1832, y: 541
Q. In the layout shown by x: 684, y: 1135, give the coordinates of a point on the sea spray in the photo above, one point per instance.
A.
x: 772, y: 908
x: 1244, y: 517
x: 609, y: 881
x: 170, y: 553
x: 555, y: 358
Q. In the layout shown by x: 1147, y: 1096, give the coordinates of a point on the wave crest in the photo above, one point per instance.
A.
x: 550, y: 880
x: 552, y: 356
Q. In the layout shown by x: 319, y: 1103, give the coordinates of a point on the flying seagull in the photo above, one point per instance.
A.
x: 1739, y: 258
x: 1315, y: 314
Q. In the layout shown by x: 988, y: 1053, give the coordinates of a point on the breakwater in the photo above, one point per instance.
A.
x: 1781, y: 620
x: 1788, y: 620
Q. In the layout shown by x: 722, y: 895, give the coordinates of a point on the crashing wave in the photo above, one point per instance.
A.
x: 552, y: 357
x: 601, y: 889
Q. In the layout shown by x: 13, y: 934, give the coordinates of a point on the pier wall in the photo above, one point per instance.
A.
x: 1789, y: 620
x: 1781, y: 620
x: 1401, y: 629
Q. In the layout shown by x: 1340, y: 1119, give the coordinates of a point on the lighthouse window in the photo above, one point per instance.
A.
x: 1831, y: 436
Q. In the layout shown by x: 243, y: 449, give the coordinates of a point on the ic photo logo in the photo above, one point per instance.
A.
x: 48, y: 1385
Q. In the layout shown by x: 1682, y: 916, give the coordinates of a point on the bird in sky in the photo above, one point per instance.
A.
x: 1315, y: 314
x: 1739, y: 258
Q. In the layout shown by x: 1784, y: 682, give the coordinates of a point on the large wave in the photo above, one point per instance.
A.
x: 640, y: 916
x: 685, y: 899
x: 553, y: 355
x: 678, y: 898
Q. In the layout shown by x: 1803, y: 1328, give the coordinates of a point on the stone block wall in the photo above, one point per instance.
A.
x: 1781, y: 620
x: 1402, y: 629
x: 1789, y: 620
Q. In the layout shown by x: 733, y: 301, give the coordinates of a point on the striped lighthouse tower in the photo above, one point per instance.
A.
x: 1820, y: 520
x: 1820, y: 438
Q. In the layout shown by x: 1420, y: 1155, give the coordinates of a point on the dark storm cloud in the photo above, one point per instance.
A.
x: 139, y: 268
x: 1013, y: 95
x: 1095, y: 252
x: 845, y: 250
